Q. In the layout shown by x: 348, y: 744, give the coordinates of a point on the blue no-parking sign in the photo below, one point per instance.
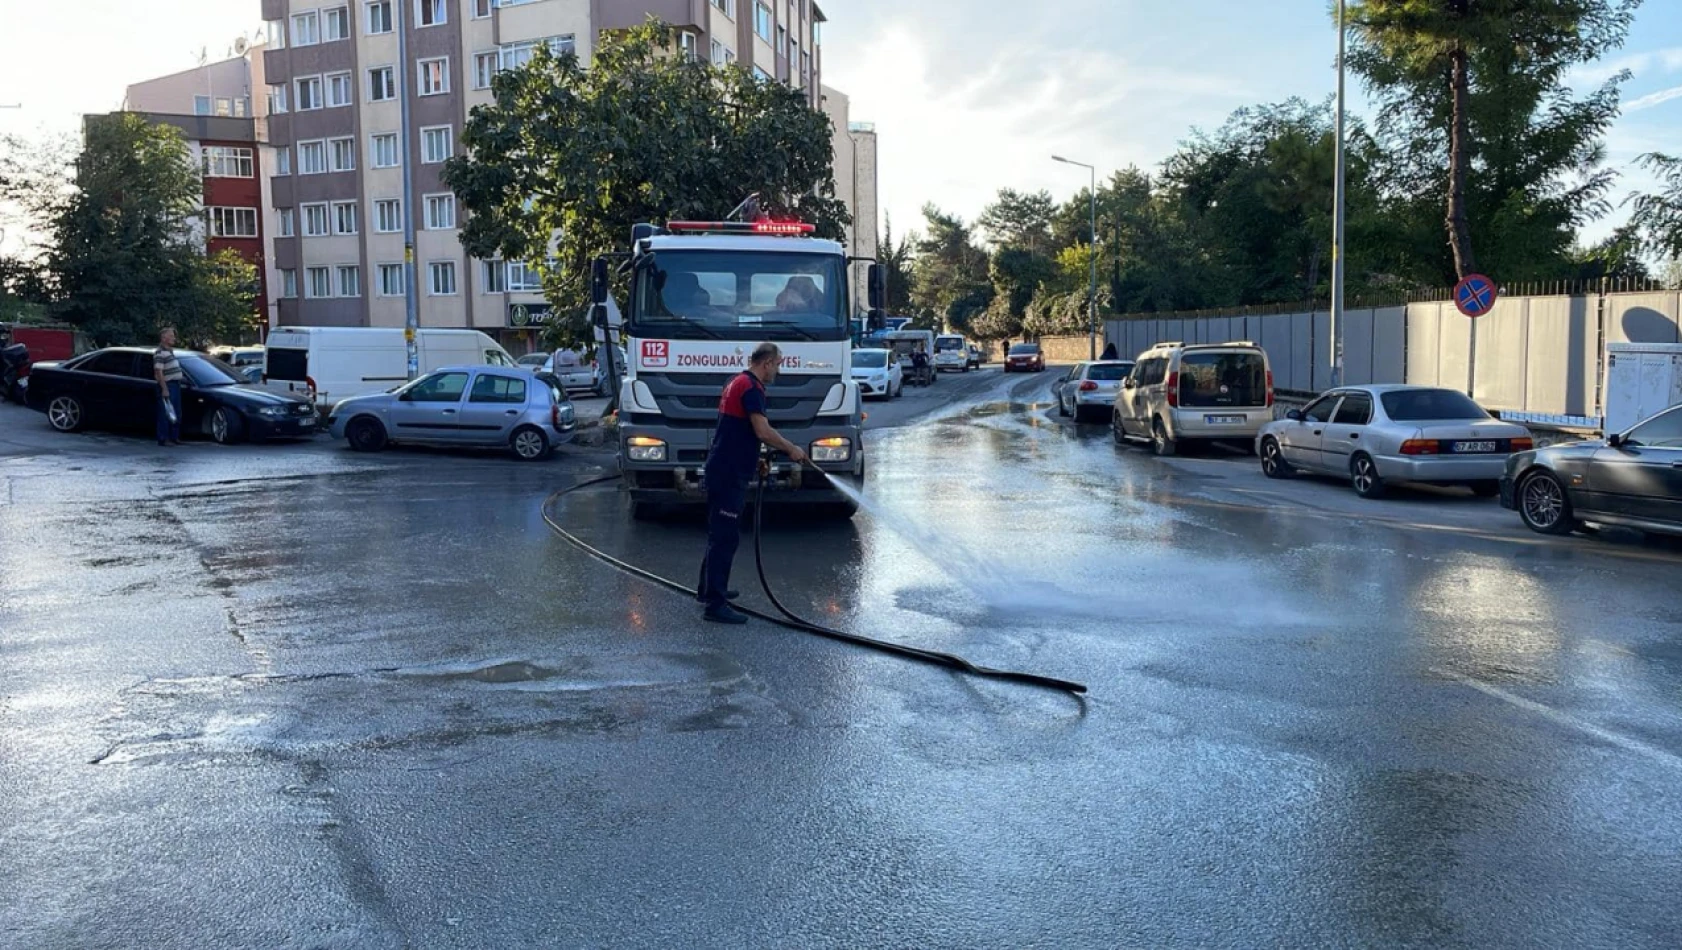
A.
x: 1475, y: 295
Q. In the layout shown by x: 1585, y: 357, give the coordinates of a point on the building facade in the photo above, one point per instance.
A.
x: 333, y: 119
x: 855, y: 183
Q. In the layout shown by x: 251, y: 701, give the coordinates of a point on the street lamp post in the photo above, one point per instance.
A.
x: 1338, y: 214
x: 1092, y: 263
x: 411, y: 301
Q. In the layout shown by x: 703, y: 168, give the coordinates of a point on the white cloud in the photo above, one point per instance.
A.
x: 1658, y: 61
x: 1653, y: 99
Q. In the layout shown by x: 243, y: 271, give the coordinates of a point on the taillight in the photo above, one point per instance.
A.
x: 1174, y: 390
x: 1419, y: 447
x: 555, y: 415
x: 1088, y: 386
x: 1523, y: 445
x: 1270, y: 389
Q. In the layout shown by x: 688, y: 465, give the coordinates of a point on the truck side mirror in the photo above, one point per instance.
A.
x: 599, y: 282
x: 878, y: 281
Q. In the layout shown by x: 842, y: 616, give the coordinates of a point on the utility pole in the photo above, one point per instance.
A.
x: 411, y: 301
x: 1092, y: 263
x: 1338, y: 212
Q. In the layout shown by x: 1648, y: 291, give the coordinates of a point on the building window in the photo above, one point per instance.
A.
x: 484, y: 68
x: 515, y: 55
x: 384, y: 148
x: 441, y: 278
x: 434, y: 76
x: 339, y: 90
x: 277, y: 99
x: 388, y: 215
x: 344, y: 217
x: 761, y: 74
x: 275, y: 32
x: 312, y: 157
x: 288, y: 222
x: 728, y: 7
x: 481, y: 9
x: 350, y: 280
x: 306, y: 29
x: 233, y: 222
x: 805, y: 68
x: 782, y: 40
x: 491, y: 277
x: 315, y: 220
x: 335, y: 24
x: 382, y: 84
x: 309, y: 93
x: 718, y: 53
x: 201, y: 105
x: 222, y: 161
x: 440, y: 212
x: 391, y: 280
x: 318, y: 282
x: 288, y: 283
x: 523, y: 278
x: 437, y: 144
x: 378, y: 15
x: 344, y: 154
x: 431, y: 12
x: 282, y: 162
x: 762, y: 21
x: 686, y: 47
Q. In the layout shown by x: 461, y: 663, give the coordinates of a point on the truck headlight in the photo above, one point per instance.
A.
x: 834, y: 449
x: 641, y: 448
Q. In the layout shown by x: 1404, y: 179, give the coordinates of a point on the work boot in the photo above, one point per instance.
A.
x: 701, y: 598
x: 725, y: 614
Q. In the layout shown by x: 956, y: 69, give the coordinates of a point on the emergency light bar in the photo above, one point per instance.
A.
x: 740, y: 227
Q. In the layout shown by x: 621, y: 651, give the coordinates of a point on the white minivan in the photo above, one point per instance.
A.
x: 334, y: 363
x: 951, y: 353
x: 1202, y: 392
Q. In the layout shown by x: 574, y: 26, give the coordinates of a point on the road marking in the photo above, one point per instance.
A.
x: 1565, y: 719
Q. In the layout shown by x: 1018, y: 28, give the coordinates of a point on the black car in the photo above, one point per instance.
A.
x: 1632, y: 479
x: 114, y: 389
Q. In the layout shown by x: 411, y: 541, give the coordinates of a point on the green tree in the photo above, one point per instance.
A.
x: 952, y: 282
x: 126, y: 253
x: 566, y: 159
x: 1019, y: 219
x: 1472, y: 96
x: 896, y: 260
x: 1657, y: 217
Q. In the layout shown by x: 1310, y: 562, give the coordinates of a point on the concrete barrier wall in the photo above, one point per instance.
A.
x: 1644, y: 318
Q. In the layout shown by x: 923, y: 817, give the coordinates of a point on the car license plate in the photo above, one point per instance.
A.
x: 307, y: 422
x: 1224, y: 420
x: 1474, y: 447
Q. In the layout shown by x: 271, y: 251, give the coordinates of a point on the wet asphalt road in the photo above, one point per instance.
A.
x: 289, y: 696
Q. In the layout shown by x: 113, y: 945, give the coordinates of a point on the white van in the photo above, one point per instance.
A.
x: 334, y: 363
x: 951, y: 353
x: 1204, y: 392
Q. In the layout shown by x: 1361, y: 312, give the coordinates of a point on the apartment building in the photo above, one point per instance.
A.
x: 334, y: 120
x: 855, y: 180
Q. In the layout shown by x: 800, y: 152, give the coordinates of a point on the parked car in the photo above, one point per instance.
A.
x: 483, y: 406
x: 328, y: 364
x: 1025, y: 358
x: 1090, y: 389
x: 878, y: 374
x: 1205, y: 392
x: 534, y: 361
x: 1632, y: 478
x: 1379, y: 435
x: 974, y: 356
x: 599, y: 365
x: 951, y: 353
x: 114, y: 388
x: 239, y: 357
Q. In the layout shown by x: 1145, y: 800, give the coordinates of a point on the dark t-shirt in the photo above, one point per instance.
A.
x: 735, y: 449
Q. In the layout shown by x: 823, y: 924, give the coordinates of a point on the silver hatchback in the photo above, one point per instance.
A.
x: 470, y: 406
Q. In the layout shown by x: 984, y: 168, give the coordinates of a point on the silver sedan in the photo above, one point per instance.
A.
x: 1377, y: 435
x: 485, y: 406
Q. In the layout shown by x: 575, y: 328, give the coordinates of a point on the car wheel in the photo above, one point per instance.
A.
x: 1544, y: 504
x: 1062, y: 407
x: 529, y: 443
x: 1486, y: 489
x: 226, y: 427
x: 65, y: 414
x: 1363, y: 477
x: 1161, y: 444
x: 1117, y: 431
x: 365, y: 435
x: 1273, y: 462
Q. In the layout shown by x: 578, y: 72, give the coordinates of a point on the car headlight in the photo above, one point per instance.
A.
x: 641, y: 448
x: 833, y: 449
x: 274, y: 412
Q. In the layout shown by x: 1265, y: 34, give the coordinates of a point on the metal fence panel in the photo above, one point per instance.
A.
x: 1454, y: 348
x: 1389, y: 345
x: 1499, y: 377
x: 1643, y: 318
x: 1560, y: 356
x: 1357, y: 347
x: 1424, y: 351
x: 1302, y: 351
x: 1320, y: 350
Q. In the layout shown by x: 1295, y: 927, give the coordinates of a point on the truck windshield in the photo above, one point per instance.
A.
x: 739, y: 295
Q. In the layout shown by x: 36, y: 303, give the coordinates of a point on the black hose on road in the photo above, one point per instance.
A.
x: 789, y: 619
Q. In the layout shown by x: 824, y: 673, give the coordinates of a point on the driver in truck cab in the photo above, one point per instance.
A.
x: 731, y: 462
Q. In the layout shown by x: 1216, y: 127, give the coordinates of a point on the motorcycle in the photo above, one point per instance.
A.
x: 14, y: 363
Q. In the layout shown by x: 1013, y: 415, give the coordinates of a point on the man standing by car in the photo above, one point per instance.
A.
x: 742, y: 426
x: 166, y: 369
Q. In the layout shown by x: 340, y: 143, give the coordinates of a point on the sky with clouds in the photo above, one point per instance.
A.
x: 967, y: 95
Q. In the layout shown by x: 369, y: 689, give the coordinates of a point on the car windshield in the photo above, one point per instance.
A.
x: 1417, y: 405
x: 534, y: 359
x: 740, y: 295
x: 1223, y: 379
x: 205, y: 371
x: 1025, y: 349
x: 947, y: 343
x: 1109, y: 372
x: 870, y: 359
